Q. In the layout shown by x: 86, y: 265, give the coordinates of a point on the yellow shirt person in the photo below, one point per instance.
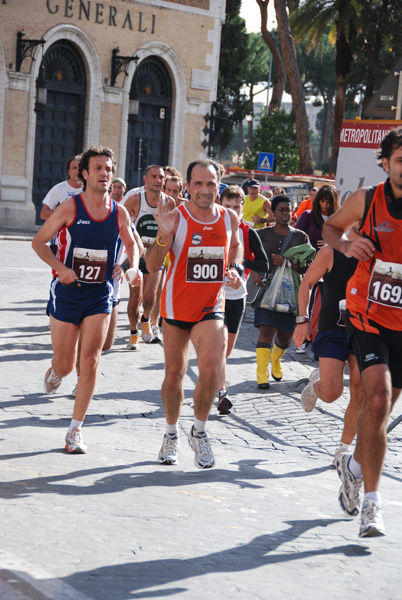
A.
x: 257, y: 208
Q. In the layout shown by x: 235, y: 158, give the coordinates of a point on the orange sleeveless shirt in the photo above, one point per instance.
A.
x: 198, y: 261
x: 375, y: 290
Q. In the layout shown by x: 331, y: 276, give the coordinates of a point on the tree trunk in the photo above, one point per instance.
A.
x: 296, y: 88
x: 338, y: 118
x: 279, y: 86
x: 240, y: 141
x: 344, y: 58
x: 326, y: 131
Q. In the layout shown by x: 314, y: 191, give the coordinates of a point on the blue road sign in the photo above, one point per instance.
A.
x: 265, y: 161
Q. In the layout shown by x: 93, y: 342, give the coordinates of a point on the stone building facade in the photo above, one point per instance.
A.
x: 138, y: 77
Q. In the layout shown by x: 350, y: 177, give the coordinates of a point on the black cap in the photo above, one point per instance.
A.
x: 253, y: 183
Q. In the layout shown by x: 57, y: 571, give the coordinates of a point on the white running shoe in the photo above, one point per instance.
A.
x: 204, y: 457
x: 156, y: 335
x: 224, y: 403
x: 338, y: 453
x: 51, y: 381
x: 350, y: 492
x: 169, y: 452
x: 371, y: 523
x: 74, y: 442
x: 308, y: 395
x: 146, y: 332
x: 301, y: 349
x: 133, y: 342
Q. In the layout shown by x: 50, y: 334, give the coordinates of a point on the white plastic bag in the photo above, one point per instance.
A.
x: 280, y: 296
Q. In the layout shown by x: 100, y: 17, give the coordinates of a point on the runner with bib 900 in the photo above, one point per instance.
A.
x: 202, y: 239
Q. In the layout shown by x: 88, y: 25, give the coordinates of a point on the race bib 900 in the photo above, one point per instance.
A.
x: 385, y: 285
x: 205, y: 264
x: 90, y: 265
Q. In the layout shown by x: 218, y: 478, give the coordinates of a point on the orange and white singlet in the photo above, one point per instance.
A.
x: 375, y: 290
x: 198, y: 260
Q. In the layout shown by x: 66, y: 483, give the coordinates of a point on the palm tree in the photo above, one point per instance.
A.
x: 311, y: 20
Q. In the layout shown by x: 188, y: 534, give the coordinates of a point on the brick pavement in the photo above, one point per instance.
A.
x: 115, y: 525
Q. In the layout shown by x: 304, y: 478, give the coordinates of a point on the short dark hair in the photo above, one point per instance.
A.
x: 232, y: 191
x: 278, y: 199
x: 149, y: 167
x: 204, y: 162
x: 70, y: 160
x: 85, y: 157
x: 389, y: 143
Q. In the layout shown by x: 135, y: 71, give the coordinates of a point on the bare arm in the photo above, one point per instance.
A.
x: 62, y: 216
x: 235, y: 254
x: 321, y: 264
x: 333, y: 229
x: 132, y: 205
x: 45, y: 212
x: 126, y: 236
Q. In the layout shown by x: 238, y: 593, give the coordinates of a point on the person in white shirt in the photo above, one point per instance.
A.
x: 63, y: 190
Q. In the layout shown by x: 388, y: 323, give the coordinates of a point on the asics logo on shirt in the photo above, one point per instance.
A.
x: 81, y: 222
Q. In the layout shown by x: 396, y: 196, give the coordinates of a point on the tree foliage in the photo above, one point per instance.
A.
x: 231, y: 101
x: 276, y: 133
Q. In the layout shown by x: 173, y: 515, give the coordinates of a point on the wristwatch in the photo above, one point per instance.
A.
x: 302, y: 319
x: 239, y: 268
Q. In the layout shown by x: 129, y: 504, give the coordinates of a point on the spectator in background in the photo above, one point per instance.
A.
x: 271, y: 324
x: 325, y: 204
x: 174, y: 187
x: 118, y: 189
x: 64, y: 190
x: 246, y: 182
x: 278, y: 190
x: 307, y: 204
x: 257, y: 209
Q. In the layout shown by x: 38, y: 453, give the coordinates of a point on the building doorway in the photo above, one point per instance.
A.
x: 148, y: 130
x: 60, y: 129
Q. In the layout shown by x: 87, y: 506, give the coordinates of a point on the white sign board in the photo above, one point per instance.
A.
x: 357, y: 162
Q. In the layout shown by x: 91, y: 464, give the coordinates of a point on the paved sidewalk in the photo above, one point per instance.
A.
x: 115, y: 525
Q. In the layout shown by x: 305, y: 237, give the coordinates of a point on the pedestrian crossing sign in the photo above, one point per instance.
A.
x: 265, y: 161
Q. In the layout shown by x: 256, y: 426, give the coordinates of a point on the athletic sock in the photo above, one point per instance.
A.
x: 133, y: 331
x: 373, y: 496
x: 355, y: 467
x: 222, y: 392
x: 144, y: 320
x: 345, y: 447
x: 75, y: 423
x: 199, y: 426
x: 172, y: 429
